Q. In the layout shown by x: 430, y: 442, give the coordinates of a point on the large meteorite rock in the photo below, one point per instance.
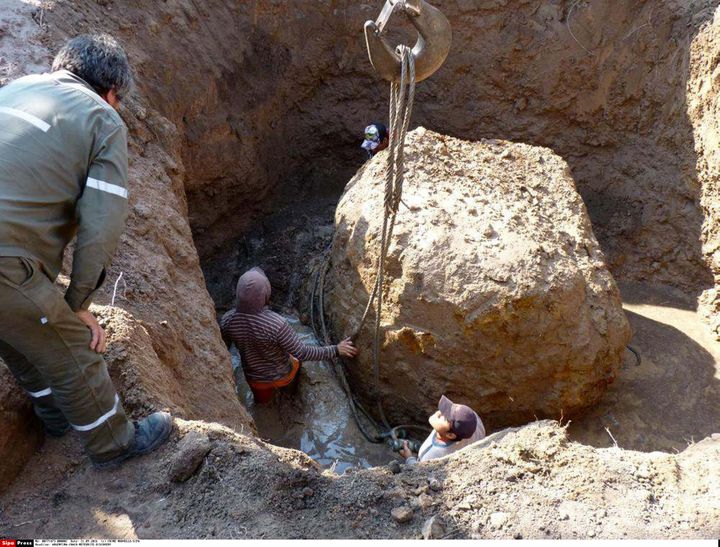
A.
x: 497, y: 293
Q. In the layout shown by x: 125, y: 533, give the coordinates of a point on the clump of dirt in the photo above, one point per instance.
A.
x: 528, y: 482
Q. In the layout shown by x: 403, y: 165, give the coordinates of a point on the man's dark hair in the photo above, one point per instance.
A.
x: 382, y: 131
x: 99, y: 60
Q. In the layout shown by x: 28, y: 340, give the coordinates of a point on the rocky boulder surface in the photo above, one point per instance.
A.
x: 497, y: 293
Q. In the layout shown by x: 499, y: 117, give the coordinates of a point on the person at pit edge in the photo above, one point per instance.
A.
x: 376, y: 139
x: 454, y: 427
x: 64, y: 172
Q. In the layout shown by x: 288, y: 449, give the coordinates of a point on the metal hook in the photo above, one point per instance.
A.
x: 430, y: 50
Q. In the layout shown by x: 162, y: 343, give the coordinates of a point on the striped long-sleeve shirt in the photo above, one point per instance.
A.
x: 265, y: 341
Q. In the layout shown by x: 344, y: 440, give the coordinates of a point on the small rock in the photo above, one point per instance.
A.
x: 521, y: 104
x: 308, y: 492
x: 591, y: 533
x: 498, y: 520
x: 425, y: 501
x: 435, y: 485
x: 402, y: 514
x: 191, y: 451
x: 394, y: 467
x: 118, y: 485
x: 433, y: 528
x: 517, y: 535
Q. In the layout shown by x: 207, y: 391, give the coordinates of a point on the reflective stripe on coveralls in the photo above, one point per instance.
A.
x: 101, y: 420
x: 38, y: 394
x: 37, y: 122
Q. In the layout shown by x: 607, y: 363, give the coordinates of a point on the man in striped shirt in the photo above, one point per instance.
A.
x: 270, y: 349
x: 63, y: 172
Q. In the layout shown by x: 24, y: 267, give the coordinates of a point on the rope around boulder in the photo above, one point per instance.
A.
x: 402, y: 97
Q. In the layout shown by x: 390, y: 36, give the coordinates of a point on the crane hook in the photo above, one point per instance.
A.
x: 430, y: 50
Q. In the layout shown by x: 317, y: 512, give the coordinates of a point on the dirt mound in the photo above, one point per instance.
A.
x: 497, y: 291
x: 20, y: 435
x: 529, y: 482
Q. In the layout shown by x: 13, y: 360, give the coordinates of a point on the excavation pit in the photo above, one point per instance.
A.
x: 248, y: 116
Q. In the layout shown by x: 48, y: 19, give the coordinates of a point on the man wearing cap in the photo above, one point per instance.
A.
x: 376, y: 139
x: 454, y: 427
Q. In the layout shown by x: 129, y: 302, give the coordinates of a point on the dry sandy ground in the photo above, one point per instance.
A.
x: 529, y: 483
x: 671, y: 399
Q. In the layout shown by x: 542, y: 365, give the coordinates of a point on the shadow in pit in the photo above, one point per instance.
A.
x: 667, y: 402
x: 657, y: 295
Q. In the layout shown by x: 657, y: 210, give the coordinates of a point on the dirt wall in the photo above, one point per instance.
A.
x: 270, y: 99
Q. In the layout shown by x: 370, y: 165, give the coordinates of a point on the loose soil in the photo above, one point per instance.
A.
x: 525, y: 483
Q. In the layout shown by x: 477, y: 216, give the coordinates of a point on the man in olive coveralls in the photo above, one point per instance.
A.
x: 63, y: 171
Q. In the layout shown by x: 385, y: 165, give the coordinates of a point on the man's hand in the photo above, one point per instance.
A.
x: 97, y: 343
x: 347, y: 349
x: 405, y: 450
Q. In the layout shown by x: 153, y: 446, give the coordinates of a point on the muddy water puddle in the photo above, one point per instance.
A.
x: 317, y: 419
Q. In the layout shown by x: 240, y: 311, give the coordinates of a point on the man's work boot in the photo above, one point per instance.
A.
x: 57, y: 432
x: 54, y: 421
x: 150, y: 433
